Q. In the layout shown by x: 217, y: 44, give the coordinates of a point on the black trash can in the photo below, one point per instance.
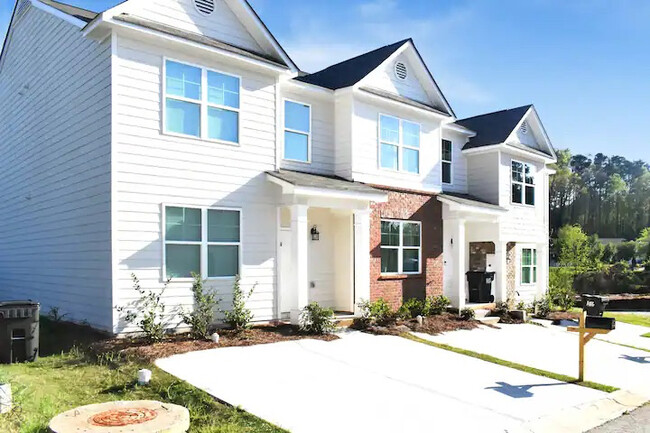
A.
x: 480, y: 286
x: 19, y: 330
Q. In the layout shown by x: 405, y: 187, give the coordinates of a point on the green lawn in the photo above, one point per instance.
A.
x: 646, y: 335
x: 59, y: 382
x: 631, y: 318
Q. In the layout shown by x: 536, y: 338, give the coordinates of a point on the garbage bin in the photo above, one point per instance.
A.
x: 480, y: 286
x: 18, y: 331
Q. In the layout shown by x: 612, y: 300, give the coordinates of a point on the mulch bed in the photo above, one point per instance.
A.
x: 141, y: 350
x: 563, y: 315
x: 431, y: 325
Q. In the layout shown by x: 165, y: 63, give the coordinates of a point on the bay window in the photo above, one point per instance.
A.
x: 523, y: 183
x: 202, y: 241
x: 528, y: 266
x: 401, y: 247
x: 399, y: 144
x: 201, y: 103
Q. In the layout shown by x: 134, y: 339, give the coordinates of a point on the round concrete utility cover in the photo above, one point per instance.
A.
x: 123, y: 417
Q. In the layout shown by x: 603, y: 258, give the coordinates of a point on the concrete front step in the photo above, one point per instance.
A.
x: 480, y: 313
x: 488, y: 320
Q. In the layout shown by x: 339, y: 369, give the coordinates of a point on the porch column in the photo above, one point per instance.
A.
x: 299, y: 259
x: 458, y: 268
x: 361, y: 257
x: 501, y: 269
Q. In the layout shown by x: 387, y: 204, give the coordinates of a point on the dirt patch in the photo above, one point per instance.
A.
x: 431, y: 325
x: 563, y: 315
x: 140, y: 350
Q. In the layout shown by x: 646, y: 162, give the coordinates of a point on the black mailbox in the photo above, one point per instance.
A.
x: 594, y: 305
x: 597, y: 322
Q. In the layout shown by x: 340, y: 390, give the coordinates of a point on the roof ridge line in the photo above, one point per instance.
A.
x: 495, y: 112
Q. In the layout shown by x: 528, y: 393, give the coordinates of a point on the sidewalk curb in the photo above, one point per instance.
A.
x: 579, y: 419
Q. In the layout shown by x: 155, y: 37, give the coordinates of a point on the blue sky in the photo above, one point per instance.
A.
x: 583, y: 63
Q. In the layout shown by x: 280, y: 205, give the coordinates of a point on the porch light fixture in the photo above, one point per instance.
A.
x: 315, y: 234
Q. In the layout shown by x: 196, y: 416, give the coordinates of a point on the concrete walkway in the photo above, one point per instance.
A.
x: 554, y: 349
x: 637, y: 421
x: 376, y: 384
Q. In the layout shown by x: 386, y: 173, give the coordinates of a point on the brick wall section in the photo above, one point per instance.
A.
x: 406, y: 205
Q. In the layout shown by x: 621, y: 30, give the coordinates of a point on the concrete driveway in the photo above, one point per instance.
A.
x: 554, y: 349
x: 365, y: 383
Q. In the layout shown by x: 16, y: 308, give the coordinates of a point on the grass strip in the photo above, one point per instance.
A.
x: 630, y: 318
x: 510, y: 364
x: 646, y: 335
x: 624, y: 345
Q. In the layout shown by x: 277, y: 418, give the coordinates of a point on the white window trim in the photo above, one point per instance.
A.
x: 400, y: 248
x: 450, y: 162
x: 520, y: 254
x: 203, y: 104
x: 400, y: 146
x: 285, y: 129
x: 523, y: 184
x: 203, y: 243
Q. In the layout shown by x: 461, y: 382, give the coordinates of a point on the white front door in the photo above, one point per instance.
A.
x: 288, y: 296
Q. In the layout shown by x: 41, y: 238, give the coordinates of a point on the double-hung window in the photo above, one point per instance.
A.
x: 446, y: 161
x: 399, y: 144
x: 523, y: 183
x: 202, y: 241
x: 201, y: 103
x: 401, y: 247
x: 528, y: 266
x: 297, y: 131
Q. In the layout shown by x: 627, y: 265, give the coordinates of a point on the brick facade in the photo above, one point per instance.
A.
x: 406, y: 205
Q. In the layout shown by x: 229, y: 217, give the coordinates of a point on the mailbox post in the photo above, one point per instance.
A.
x: 592, y: 323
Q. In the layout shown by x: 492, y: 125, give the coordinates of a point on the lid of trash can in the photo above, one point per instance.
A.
x: 28, y: 303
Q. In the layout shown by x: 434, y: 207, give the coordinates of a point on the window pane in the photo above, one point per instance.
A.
x: 530, y: 195
x: 525, y: 275
x: 411, y: 234
x: 183, y: 117
x: 183, y: 80
x: 296, y: 146
x: 389, y: 260
x: 296, y: 116
x: 223, y: 125
x: 183, y: 224
x: 411, y: 133
x: 223, y: 260
x: 411, y: 260
x: 388, y: 156
x: 389, y: 129
x: 411, y: 160
x: 223, y: 89
x: 517, y: 171
x: 223, y: 225
x: 534, y: 274
x: 530, y: 177
x: 526, y: 257
x: 516, y: 193
x: 389, y: 233
x: 446, y: 172
x: 446, y: 150
x: 182, y: 260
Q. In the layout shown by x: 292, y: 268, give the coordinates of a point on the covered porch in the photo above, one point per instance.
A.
x: 323, y: 244
x: 471, y: 243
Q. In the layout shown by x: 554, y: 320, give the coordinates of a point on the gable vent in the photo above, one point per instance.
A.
x: 400, y: 71
x: 524, y: 128
x: 206, y: 7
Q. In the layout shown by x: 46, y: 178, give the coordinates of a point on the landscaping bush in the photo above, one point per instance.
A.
x: 148, y: 311
x: 467, y: 314
x: 315, y: 319
x: 375, y: 313
x: 560, y: 292
x: 201, y: 317
x: 436, y: 305
x: 543, y: 307
x: 411, y: 308
x: 239, y: 317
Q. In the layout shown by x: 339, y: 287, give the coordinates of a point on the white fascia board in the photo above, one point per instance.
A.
x: 533, y: 112
x: 57, y: 13
x: 459, y: 129
x: 305, y: 87
x: 469, y: 209
x: 400, y: 105
x: 290, y: 189
x: 509, y: 149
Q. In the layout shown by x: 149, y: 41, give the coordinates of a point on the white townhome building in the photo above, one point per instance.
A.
x: 165, y: 137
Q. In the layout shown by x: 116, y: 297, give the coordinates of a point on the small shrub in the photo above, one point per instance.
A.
x: 411, y: 309
x: 375, y: 313
x: 239, y: 317
x: 55, y: 315
x: 467, y: 314
x: 148, y: 312
x: 521, y: 305
x: 315, y: 319
x: 201, y: 317
x: 436, y: 305
x: 560, y: 291
x: 500, y: 310
x: 543, y: 307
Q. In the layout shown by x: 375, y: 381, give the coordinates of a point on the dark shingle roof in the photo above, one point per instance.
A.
x: 350, y: 72
x: 335, y: 183
x: 493, y: 128
x: 77, y: 12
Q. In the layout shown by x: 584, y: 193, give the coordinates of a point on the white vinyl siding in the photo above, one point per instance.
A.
x: 55, y: 142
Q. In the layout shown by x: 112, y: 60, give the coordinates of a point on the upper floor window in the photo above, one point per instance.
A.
x: 528, y: 266
x: 446, y: 161
x: 399, y: 144
x: 201, y: 103
x: 523, y: 183
x: 202, y: 241
x: 297, y: 131
x: 401, y: 247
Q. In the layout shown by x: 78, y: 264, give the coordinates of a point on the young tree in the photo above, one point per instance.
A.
x: 643, y: 243
x: 626, y: 251
x: 609, y: 253
x: 575, y: 248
